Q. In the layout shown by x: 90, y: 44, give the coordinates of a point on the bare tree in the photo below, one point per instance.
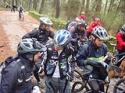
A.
x: 41, y: 6
x: 57, y: 8
x: 106, y: 4
x: 30, y: 4
x: 83, y: 5
x: 122, y: 10
x: 110, y: 5
x: 87, y: 6
x: 35, y: 4
x: 98, y: 7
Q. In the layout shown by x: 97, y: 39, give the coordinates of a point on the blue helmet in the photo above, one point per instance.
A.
x: 100, y: 33
x: 62, y: 37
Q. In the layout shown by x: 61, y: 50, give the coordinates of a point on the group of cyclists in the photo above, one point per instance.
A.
x: 57, y: 53
x: 20, y: 10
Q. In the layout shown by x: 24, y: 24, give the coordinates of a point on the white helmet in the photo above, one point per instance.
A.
x: 46, y: 21
x: 30, y: 45
x: 100, y: 33
x: 62, y: 37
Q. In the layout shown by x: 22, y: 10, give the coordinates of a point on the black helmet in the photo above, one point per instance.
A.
x: 81, y: 24
x: 30, y: 46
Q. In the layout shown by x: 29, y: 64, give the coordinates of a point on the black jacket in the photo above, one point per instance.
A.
x: 16, y: 77
x: 53, y: 57
x: 41, y: 35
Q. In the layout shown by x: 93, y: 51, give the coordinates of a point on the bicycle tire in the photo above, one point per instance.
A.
x: 78, y: 75
x: 117, y: 87
x: 81, y: 81
x: 73, y: 90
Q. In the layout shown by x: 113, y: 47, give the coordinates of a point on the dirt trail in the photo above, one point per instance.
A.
x: 11, y: 31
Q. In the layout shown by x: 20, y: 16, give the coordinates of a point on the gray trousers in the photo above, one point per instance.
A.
x: 56, y: 85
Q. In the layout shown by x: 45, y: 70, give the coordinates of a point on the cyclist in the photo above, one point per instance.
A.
x: 14, y: 7
x: 78, y: 31
x: 16, y: 77
x: 57, y: 68
x: 21, y: 10
x: 96, y: 22
x: 42, y: 34
x: 120, y: 38
x: 95, y: 48
x: 82, y: 15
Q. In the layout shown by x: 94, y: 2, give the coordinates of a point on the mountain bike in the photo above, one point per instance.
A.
x: 21, y: 16
x: 89, y: 83
x: 120, y: 86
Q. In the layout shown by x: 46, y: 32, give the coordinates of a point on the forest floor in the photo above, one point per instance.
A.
x: 12, y: 30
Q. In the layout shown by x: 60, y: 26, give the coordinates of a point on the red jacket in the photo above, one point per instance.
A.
x: 83, y: 17
x: 92, y: 25
x: 120, y: 42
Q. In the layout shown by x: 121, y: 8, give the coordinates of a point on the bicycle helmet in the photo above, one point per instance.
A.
x: 62, y: 37
x: 46, y: 21
x: 100, y: 33
x: 81, y: 24
x: 30, y: 46
x: 123, y: 28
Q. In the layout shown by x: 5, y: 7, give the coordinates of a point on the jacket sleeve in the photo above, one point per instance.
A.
x: 32, y: 34
x: 82, y: 55
x: 90, y: 27
x: 8, y: 81
x: 120, y: 40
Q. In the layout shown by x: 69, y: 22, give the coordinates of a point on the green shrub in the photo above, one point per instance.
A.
x: 58, y: 23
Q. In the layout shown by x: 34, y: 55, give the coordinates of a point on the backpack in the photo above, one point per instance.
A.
x: 3, y: 65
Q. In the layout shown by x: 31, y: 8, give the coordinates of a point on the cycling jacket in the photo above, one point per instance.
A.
x: 77, y: 35
x: 16, y: 77
x: 89, y: 50
x: 120, y: 38
x: 41, y: 35
x: 53, y: 57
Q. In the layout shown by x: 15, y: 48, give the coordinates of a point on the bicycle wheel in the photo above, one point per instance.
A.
x: 77, y: 76
x: 120, y: 86
x: 79, y: 85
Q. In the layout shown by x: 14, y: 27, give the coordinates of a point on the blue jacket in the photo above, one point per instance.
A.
x: 16, y: 77
x: 89, y: 50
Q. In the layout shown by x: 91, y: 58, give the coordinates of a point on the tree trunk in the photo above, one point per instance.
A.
x: 115, y: 14
x: 30, y: 4
x: 122, y: 10
x: 57, y: 8
x: 38, y: 4
x: 83, y: 5
x: 42, y: 6
x: 13, y: 2
x: 98, y: 7
x: 110, y: 6
x: 35, y: 4
x: 105, y: 9
x: 87, y: 7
